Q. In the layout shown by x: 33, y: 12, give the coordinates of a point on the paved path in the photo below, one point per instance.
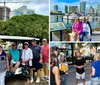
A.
x: 72, y: 76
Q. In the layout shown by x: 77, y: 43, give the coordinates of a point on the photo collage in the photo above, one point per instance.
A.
x: 49, y: 42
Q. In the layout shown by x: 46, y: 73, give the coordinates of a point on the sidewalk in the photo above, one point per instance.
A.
x: 87, y: 83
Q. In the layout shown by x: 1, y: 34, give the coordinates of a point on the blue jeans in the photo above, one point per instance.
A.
x: 95, y: 81
x: 84, y: 34
x: 63, y: 79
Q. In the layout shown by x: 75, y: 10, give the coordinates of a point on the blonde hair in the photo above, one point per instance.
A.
x: 97, y: 56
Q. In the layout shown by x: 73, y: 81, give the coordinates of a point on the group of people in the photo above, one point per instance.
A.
x: 31, y: 58
x: 80, y: 29
x: 59, y: 69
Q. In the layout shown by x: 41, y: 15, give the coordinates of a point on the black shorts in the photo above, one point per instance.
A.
x: 36, y: 64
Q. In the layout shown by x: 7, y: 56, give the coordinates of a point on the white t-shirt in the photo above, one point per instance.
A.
x: 86, y: 27
x: 26, y: 54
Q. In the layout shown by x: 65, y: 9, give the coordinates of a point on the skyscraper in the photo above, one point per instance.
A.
x: 2, y: 13
x: 66, y: 9
x: 98, y: 10
x: 73, y: 9
x: 21, y: 11
x: 91, y: 10
x: 82, y: 7
x: 55, y: 8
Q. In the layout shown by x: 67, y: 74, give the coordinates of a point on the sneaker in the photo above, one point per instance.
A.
x: 44, y: 78
x: 37, y: 80
x: 47, y: 79
x: 32, y: 80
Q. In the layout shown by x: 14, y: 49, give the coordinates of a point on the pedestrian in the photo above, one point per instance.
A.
x: 54, y: 72
x: 4, y: 64
x: 95, y: 70
x: 63, y: 67
x: 77, y: 29
x: 37, y: 59
x: 87, y: 30
x: 45, y: 58
x: 79, y: 64
x: 27, y: 57
x: 14, y: 55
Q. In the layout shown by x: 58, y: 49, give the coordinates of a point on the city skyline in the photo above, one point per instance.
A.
x: 61, y: 4
x: 38, y: 5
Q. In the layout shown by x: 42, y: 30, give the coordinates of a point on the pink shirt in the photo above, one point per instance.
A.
x: 45, y: 53
x: 77, y: 27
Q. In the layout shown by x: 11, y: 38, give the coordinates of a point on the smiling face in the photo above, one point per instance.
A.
x: 83, y: 19
x: 78, y: 54
x: 25, y: 46
x: 14, y: 46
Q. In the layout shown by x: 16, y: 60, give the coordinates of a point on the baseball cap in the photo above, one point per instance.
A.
x: 44, y: 40
x: 33, y: 40
x: 25, y: 43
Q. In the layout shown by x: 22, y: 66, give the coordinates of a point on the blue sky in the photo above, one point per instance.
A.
x: 38, y: 5
x: 62, y: 3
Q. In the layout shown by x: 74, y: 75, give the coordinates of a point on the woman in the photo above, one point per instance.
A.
x: 3, y: 64
x: 76, y: 29
x: 27, y: 57
x: 95, y: 71
x: 54, y: 72
x: 63, y: 67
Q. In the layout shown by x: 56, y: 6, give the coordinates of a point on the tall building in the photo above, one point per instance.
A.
x: 56, y: 8
x: 91, y: 10
x: 98, y: 10
x: 21, y: 11
x: 66, y: 9
x: 82, y: 7
x: 4, y: 14
x: 73, y: 9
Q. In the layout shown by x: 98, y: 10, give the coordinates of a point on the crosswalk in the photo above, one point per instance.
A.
x: 86, y: 83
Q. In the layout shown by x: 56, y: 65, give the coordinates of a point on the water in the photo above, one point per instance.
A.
x: 68, y: 24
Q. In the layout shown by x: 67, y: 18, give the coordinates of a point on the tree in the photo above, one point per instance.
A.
x: 34, y: 25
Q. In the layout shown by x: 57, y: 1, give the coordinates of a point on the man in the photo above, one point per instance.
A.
x: 80, y: 72
x: 87, y: 30
x: 14, y: 55
x: 37, y: 58
x: 27, y: 57
x: 45, y: 57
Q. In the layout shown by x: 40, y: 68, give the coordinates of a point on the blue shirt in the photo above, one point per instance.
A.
x: 96, y: 66
x: 15, y: 55
x: 36, y: 50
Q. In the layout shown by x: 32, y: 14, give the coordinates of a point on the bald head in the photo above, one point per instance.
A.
x: 83, y: 19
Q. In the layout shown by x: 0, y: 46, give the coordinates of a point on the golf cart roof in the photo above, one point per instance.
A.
x: 3, y: 37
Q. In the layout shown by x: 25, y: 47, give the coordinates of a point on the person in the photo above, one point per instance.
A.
x: 77, y: 29
x: 4, y: 64
x: 37, y: 59
x: 27, y: 57
x: 56, y: 55
x: 45, y: 58
x: 79, y: 65
x: 87, y: 30
x: 95, y: 70
x: 63, y: 67
x: 54, y: 72
x: 14, y: 55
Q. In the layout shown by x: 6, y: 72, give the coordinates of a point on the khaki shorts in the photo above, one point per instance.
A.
x: 80, y: 76
x: 46, y: 65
